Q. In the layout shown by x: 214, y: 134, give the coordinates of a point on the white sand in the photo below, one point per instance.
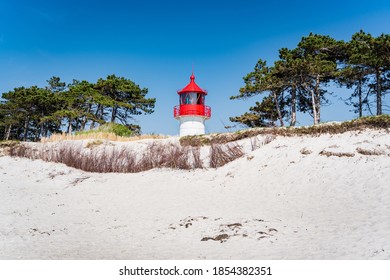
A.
x: 280, y: 204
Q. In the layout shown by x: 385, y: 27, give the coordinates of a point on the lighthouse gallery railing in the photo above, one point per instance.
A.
x: 192, y: 110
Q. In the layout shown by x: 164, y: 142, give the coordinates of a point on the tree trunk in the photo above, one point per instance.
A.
x: 25, y: 129
x: 36, y: 135
x: 318, y: 109
x: 378, y: 92
x: 313, y: 104
x: 293, y: 106
x: 360, y: 98
x: 316, y: 101
x: 42, y: 130
x: 83, y: 124
x: 8, y: 132
x: 70, y: 127
x: 96, y: 116
x: 101, y: 113
x: 278, y: 108
x: 114, y: 111
x: 85, y: 120
x: 78, y: 124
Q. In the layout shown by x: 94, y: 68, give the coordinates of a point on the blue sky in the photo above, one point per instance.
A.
x: 157, y: 43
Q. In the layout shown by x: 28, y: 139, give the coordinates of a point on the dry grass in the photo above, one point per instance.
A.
x: 94, y: 143
x: 169, y: 155
x: 268, y: 139
x: 10, y: 143
x: 223, y: 154
x: 305, y: 151
x: 369, y: 152
x: 196, y: 157
x: 100, y: 135
x: 255, y: 143
x: 336, y: 154
x: 112, y: 159
x: 5, y: 147
x: 375, y: 122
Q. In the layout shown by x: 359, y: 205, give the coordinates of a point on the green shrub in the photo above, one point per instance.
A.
x: 116, y: 128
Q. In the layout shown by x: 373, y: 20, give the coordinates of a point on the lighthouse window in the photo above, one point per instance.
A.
x: 200, y: 99
x: 189, y: 98
x: 193, y: 98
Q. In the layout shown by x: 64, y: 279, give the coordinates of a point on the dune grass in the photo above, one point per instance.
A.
x: 374, y: 122
x: 112, y: 159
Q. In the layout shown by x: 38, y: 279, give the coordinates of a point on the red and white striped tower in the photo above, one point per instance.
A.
x: 192, y: 111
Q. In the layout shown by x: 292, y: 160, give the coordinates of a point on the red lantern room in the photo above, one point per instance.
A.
x: 192, y: 111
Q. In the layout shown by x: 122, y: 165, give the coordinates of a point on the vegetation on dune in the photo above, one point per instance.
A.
x: 91, y: 134
x: 97, y: 156
x: 372, y: 122
x: 9, y: 143
x: 114, y: 128
x: 105, y: 159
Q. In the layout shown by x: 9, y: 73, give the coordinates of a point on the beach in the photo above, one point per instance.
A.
x: 298, y: 197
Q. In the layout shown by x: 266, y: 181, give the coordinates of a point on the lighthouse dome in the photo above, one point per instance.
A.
x: 192, y: 87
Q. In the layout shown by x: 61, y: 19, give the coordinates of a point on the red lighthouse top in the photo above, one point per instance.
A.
x: 192, y: 87
x: 192, y: 102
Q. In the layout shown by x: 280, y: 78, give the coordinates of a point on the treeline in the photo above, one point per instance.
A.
x: 298, y: 80
x: 30, y: 113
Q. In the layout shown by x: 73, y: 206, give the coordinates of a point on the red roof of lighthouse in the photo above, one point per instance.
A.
x: 192, y: 87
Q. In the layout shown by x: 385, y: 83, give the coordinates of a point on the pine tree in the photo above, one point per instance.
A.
x: 370, y: 56
x: 318, y: 55
x: 121, y: 98
x: 264, y: 80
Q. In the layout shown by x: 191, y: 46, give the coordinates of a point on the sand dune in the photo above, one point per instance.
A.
x: 325, y: 197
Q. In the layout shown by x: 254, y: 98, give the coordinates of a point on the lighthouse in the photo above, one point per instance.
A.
x: 192, y: 111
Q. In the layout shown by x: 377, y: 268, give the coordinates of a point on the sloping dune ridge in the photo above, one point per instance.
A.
x: 297, y: 197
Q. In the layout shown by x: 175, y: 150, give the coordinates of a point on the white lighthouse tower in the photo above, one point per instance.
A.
x: 192, y: 111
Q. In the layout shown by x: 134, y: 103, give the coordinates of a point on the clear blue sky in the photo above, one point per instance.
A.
x: 156, y: 43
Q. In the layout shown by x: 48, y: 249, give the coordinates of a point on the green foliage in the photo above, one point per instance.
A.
x: 115, y: 128
x: 317, y: 60
x: 256, y: 82
x: 263, y: 79
x: 299, y: 79
x: 24, y: 111
x: 124, y: 98
x: 369, y: 56
x: 32, y: 113
x: 264, y: 114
